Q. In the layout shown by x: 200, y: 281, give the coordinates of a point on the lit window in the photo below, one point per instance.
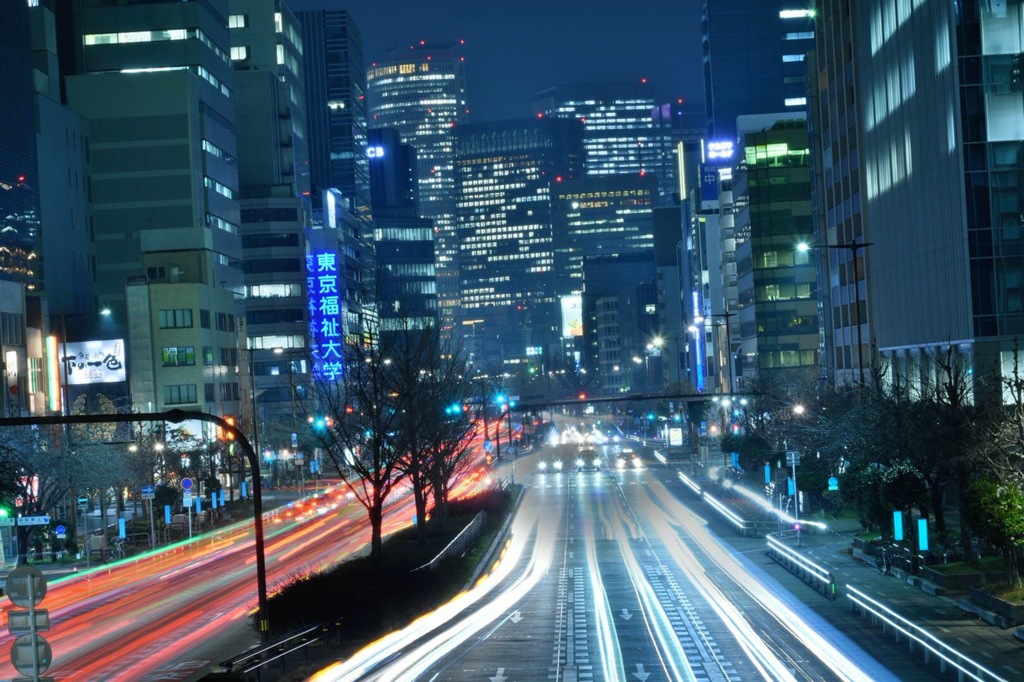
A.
x: 796, y: 101
x: 796, y: 14
x: 793, y: 57
x: 238, y: 21
x: 239, y: 53
x: 800, y: 35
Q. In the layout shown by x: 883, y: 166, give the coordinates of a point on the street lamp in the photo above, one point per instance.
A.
x: 853, y: 247
x: 65, y: 404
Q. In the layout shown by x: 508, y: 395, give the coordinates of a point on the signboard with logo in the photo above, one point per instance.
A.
x: 95, y: 362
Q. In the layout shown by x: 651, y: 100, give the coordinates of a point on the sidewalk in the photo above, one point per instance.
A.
x: 940, y: 615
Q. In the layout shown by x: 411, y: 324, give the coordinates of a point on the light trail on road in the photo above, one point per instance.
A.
x: 145, y: 618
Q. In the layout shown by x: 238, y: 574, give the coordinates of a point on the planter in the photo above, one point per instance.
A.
x: 1010, y: 614
x: 863, y: 545
x: 960, y: 582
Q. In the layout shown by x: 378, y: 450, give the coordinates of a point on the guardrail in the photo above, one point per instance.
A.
x: 282, y: 652
x: 460, y: 543
x: 799, y: 565
x: 947, y: 656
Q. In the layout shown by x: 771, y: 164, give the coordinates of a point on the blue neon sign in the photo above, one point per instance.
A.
x: 325, y: 308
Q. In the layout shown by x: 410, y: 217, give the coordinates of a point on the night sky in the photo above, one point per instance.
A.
x: 515, y: 48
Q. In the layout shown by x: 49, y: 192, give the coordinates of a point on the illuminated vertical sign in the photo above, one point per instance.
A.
x: 698, y: 343
x: 53, y: 373
x: 325, y: 326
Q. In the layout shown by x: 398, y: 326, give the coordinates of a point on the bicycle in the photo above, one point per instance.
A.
x: 117, y: 549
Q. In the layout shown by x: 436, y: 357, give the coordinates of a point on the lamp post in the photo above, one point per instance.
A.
x: 853, y: 247
x: 254, y: 410
x: 65, y: 404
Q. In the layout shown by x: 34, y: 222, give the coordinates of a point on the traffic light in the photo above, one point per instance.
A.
x: 454, y: 409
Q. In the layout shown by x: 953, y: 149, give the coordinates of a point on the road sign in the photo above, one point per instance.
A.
x: 833, y: 483
x: 186, y: 483
x: 61, y: 531
x: 148, y: 492
x: 26, y: 586
x: 83, y: 503
x: 7, y: 521
x: 31, y: 655
x: 488, y: 446
x: 186, y: 500
x: 792, y: 458
x: 33, y: 520
x: 20, y: 622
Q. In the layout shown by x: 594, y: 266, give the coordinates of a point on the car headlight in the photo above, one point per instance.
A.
x: 558, y: 465
x: 620, y: 463
x: 597, y: 462
x: 637, y: 462
x: 542, y: 466
x: 579, y: 462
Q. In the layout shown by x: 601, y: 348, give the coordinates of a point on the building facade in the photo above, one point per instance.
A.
x: 507, y: 175
x: 754, y: 54
x: 154, y: 82
x: 777, y: 308
x: 421, y: 93
x: 335, y: 74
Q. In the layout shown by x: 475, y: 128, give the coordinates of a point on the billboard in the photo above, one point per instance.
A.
x: 94, y: 362
x: 572, y: 316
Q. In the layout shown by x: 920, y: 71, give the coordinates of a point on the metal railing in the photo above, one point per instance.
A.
x: 966, y: 667
x: 799, y: 565
x: 290, y: 650
x: 460, y: 543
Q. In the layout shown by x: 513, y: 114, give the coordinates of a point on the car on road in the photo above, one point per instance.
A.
x: 552, y: 465
x: 588, y: 459
x: 628, y: 459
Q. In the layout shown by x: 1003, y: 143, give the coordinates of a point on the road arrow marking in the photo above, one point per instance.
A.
x: 640, y: 673
x: 500, y: 677
x: 626, y: 614
x: 516, y: 617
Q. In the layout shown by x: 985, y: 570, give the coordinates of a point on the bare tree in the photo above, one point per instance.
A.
x: 358, y: 421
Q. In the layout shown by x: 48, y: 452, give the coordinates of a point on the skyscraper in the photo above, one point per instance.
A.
x: 602, y: 215
x: 405, y: 281
x: 420, y: 92
x: 754, y: 59
x: 335, y: 76
x: 507, y: 173
x: 19, y: 175
x: 619, y: 135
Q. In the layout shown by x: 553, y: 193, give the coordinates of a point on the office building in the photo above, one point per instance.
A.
x: 606, y: 214
x: 507, y: 175
x: 335, y: 76
x: 266, y: 53
x: 420, y: 92
x: 19, y: 173
x: 155, y: 84
x: 941, y: 126
x: 405, y: 282
x: 619, y: 133
x: 754, y: 54
x: 777, y: 307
